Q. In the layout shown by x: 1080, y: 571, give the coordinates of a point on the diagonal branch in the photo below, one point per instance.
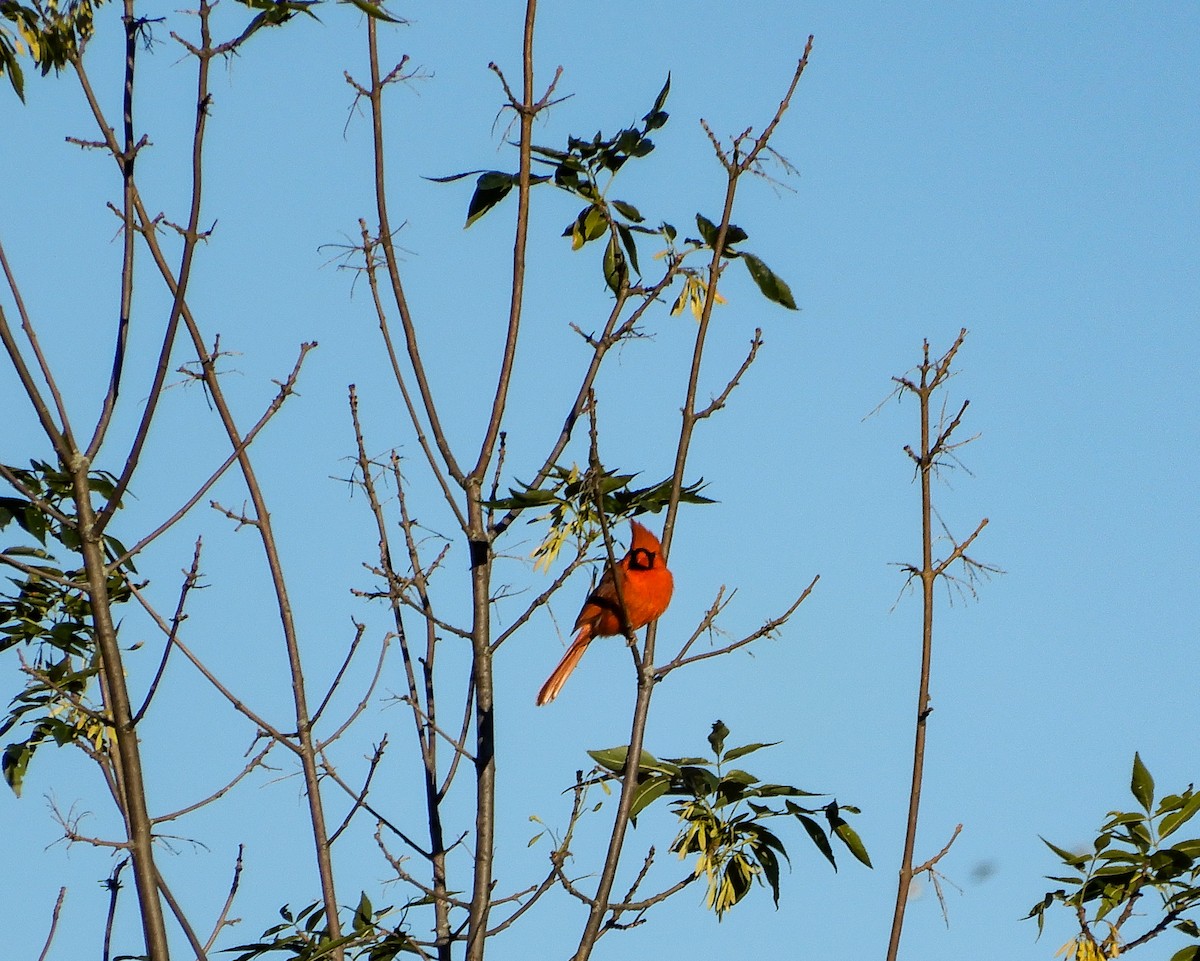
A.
x: 768, y: 627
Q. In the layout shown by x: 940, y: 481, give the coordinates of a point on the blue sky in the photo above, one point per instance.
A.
x: 1027, y: 171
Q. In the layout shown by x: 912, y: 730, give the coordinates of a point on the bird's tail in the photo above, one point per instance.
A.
x: 554, y: 683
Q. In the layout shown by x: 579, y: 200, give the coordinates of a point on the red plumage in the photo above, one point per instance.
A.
x: 646, y: 587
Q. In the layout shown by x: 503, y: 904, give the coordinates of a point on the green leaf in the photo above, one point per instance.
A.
x: 374, y: 10
x: 770, y: 865
x: 708, y: 230
x: 630, y: 247
x: 14, y: 763
x: 613, y: 759
x: 1142, y: 784
x: 1171, y: 823
x: 734, y: 753
x: 647, y: 793
x: 817, y: 834
x: 593, y: 224
x: 1190, y: 953
x: 9, y: 65
x: 628, y: 211
x: 491, y: 187
x: 847, y: 834
x: 772, y: 286
x: 363, y: 914
x: 1076, y: 861
x: 849, y: 837
x: 699, y: 781
x: 616, y: 271
x: 1190, y: 848
x: 656, y: 117
x: 450, y: 178
x: 716, y: 737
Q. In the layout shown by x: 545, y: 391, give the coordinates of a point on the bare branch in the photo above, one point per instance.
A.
x: 719, y: 401
x: 251, y: 765
x: 928, y: 865
x: 263, y: 725
x: 223, y: 917
x: 393, y: 268
x: 368, y: 247
x: 62, y: 893
x: 768, y: 627
x: 114, y: 888
x: 286, y: 389
x: 189, y: 582
x: 960, y: 549
x: 543, y: 598
x: 63, y: 441
x: 455, y: 743
x: 360, y: 798
x: 359, y: 630
x: 321, y: 745
x: 181, y: 918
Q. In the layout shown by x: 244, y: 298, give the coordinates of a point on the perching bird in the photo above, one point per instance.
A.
x: 646, y: 586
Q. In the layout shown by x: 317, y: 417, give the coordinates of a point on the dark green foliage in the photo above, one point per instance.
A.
x: 573, y: 496
x: 724, y: 810
x: 1131, y: 858
x: 304, y: 936
x: 47, y: 611
x: 49, y: 38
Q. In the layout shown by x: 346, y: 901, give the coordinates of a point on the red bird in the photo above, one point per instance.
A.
x: 646, y: 587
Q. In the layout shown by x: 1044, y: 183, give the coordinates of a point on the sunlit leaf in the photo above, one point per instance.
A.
x: 734, y: 753
x: 1173, y: 821
x: 647, y: 793
x: 1142, y: 784
x: 374, y: 10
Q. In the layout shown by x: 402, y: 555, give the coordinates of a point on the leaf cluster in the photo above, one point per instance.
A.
x: 770, y: 284
x: 574, y: 497
x: 304, y: 936
x: 48, y: 611
x: 723, y: 811
x: 1132, y: 856
x: 584, y: 168
x: 50, y: 34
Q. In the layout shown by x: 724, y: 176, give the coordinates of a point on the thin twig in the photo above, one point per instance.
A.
x: 114, y: 888
x: 222, y: 918
x: 253, y: 764
x: 62, y: 893
x: 177, y: 619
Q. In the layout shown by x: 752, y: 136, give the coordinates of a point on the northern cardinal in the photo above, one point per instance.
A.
x: 646, y: 586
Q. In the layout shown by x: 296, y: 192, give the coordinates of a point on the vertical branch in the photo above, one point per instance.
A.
x: 422, y: 702
x: 60, y: 438
x: 927, y: 577
x: 734, y: 169
x: 933, y: 375
x: 393, y: 267
x: 125, y: 159
x: 304, y: 744
x: 62, y: 893
x: 131, y: 782
x: 526, y: 111
x: 480, y: 541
